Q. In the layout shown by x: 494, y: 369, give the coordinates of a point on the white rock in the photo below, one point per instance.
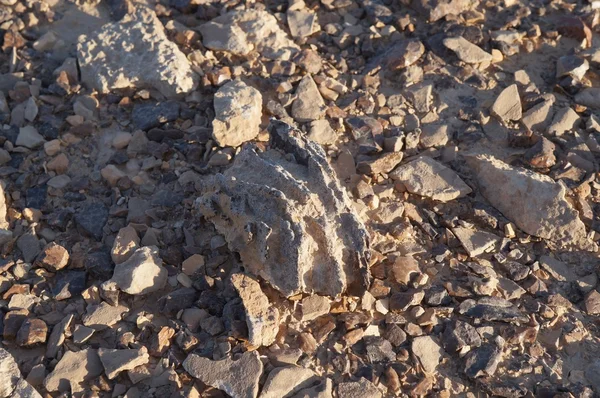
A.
x: 9, y: 374
x: 29, y: 138
x: 134, y: 52
x: 467, y: 51
x: 426, y: 177
x: 238, y: 113
x: 142, y: 273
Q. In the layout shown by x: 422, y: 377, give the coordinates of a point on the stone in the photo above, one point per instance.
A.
x: 192, y: 264
x: 117, y: 361
x: 459, y: 334
x: 22, y: 301
x: 125, y: 244
x: 435, y: 10
x: 57, y: 336
x: 142, y: 273
x: 541, y: 154
x: 428, y: 351
x: 112, y: 174
x: 238, y: 378
x: 426, y: 177
x: 559, y: 270
x: 59, y: 182
x: 33, y: 331
x: 572, y: 65
x: 29, y: 138
x: 134, y: 52
x: 322, y: 133
x: 379, y: 349
x: 539, y: 117
x: 149, y: 115
x: 309, y: 104
x: 29, y: 246
x: 467, y: 51
x: 380, y: 164
x: 238, y: 113
x: 242, y: 31
x: 314, y: 306
x: 285, y: 381
x: 99, y: 265
x: 262, y: 318
x: 362, y: 388
x: 9, y: 374
x: 322, y: 389
x: 82, y: 333
x: 483, y: 361
x: 434, y: 135
x: 53, y: 257
x: 532, y: 201
x: 25, y: 390
x: 73, y: 369
x: 475, y: 242
x: 269, y: 230
x: 69, y: 284
x: 302, y: 23
x: 12, y: 323
x: 592, y: 303
x: 492, y: 309
x: 589, y: 97
x: 4, y: 157
x: 565, y: 119
x: 404, y: 269
x: 91, y: 219
x: 103, y: 315
x: 508, y: 104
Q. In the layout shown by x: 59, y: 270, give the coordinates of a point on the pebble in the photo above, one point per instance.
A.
x: 29, y: 138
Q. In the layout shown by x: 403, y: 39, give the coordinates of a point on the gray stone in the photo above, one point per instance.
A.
x: 565, y: 119
x: 57, y: 336
x: 29, y: 246
x: 117, y: 361
x: 142, y: 273
x: 467, y: 51
x: 9, y: 374
x: 29, y: 138
x: 492, y: 309
x: 302, y: 23
x: 309, y: 104
x: 25, y: 390
x: 283, y: 382
x: 238, y: 378
x: 539, y: 117
x: 589, y: 97
x: 322, y: 133
x: 508, y: 104
x: 428, y: 351
x: 91, y: 219
x: 103, y: 315
x: 134, y: 52
x: 148, y: 115
x: 73, y: 369
x: 483, y: 361
x: 559, y: 270
x: 475, y: 242
x: 362, y: 388
x: 322, y: 389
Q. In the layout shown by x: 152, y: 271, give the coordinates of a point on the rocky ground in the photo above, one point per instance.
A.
x: 335, y: 198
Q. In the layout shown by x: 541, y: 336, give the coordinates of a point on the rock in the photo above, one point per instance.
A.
x: 589, y: 97
x: 278, y: 244
x: 242, y: 31
x: 59, y: 182
x: 362, y: 388
x: 379, y: 349
x: 103, y: 315
x: 434, y: 135
x: 309, y: 104
x: 541, y: 154
x: 238, y: 113
x: 134, y: 52
x: 467, y: 51
x: 285, y: 381
x: 322, y: 389
x: 592, y: 303
x: 12, y: 323
x: 458, y: 335
x: 91, y: 219
x: 4, y: 157
x: 117, y: 361
x: 33, y: 331
x: 381, y: 164
x: 426, y: 177
x: 82, y: 333
x: 3, y: 210
x: 53, y: 257
x: 572, y: 65
x: 508, y: 104
x: 565, y: 119
x: 435, y: 10
x: 9, y: 374
x: 534, y: 202
x: 69, y: 284
x: 428, y: 351
x: 314, y: 306
x: 149, y: 115
x: 492, y: 309
x: 559, y: 270
x: 539, y: 117
x: 192, y: 264
x: 302, y: 23
x: 483, y: 361
x: 475, y: 242
x: 73, y: 369
x: 99, y: 265
x: 29, y: 246
x: 29, y: 138
x: 404, y: 269
x: 322, y: 133
x: 125, y: 244
x: 142, y: 273
x: 238, y: 378
x: 262, y: 318
x: 25, y: 390
x: 112, y: 174
x: 57, y: 337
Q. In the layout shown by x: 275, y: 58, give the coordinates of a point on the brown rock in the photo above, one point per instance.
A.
x: 53, y: 258
x: 59, y: 164
x: 382, y: 164
x: 162, y: 341
x: 404, y: 268
x: 13, y: 320
x: 592, y: 303
x: 32, y: 332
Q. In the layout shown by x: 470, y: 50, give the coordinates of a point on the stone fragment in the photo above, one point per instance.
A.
x: 379, y: 349
x: 592, y: 303
x: 146, y: 116
x: 73, y: 369
x: 29, y: 138
x: 467, y: 51
x: 117, y: 361
x: 302, y: 23
x: 25, y: 390
x: 103, y: 315
x: 57, y: 337
x: 284, y: 381
x: 82, y: 333
x: 134, y: 52
x: 534, y: 202
x: 262, y: 318
x: 483, y: 361
x: 589, y: 97
x: 91, y: 219
x: 322, y: 389
x: 426, y: 177
x: 9, y: 374
x: 53, y: 257
x: 242, y: 31
x: 565, y: 119
x: 269, y: 229
x: 192, y: 264
x: 572, y: 65
x: 380, y: 164
x: 508, y: 104
x: 238, y: 378
x: 309, y: 104
x: 142, y: 273
x: 492, y: 309
x: 33, y: 331
x: 362, y: 388
x: 404, y: 269
x: 559, y: 270
x: 428, y: 351
x: 322, y: 133
x: 458, y: 335
x: 125, y: 244
x: 475, y: 242
x: 541, y: 154
x: 238, y: 113
x: 314, y: 306
x: 435, y: 10
x: 29, y: 246
x: 539, y: 117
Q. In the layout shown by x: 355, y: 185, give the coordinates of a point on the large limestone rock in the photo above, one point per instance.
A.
x: 238, y: 111
x: 284, y: 211
x: 134, y: 52
x: 534, y: 202
x: 242, y: 31
x: 142, y: 273
x: 261, y: 317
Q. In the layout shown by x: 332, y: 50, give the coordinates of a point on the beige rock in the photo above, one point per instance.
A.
x: 142, y: 273
x: 467, y: 51
x: 309, y: 104
x: 192, y: 264
x: 284, y: 381
x: 59, y: 164
x: 52, y: 147
x: 475, y: 242
x: 428, y: 351
x: 314, y: 306
x: 103, y: 315
x: 125, y: 244
x: 121, y: 140
x: 112, y: 174
x: 404, y: 269
x: 9, y: 374
x: 508, y: 104
x: 73, y: 369
x: 117, y: 361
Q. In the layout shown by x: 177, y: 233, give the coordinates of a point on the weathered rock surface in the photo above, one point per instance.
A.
x: 238, y: 378
x: 9, y: 374
x: 117, y: 361
x: 142, y: 273
x: 320, y: 246
x: 534, y: 202
x: 242, y: 31
x: 428, y: 351
x: 134, y: 52
x: 73, y: 369
x: 467, y: 51
x: 125, y: 244
x: 362, y: 388
x: 283, y: 382
x: 508, y: 104
x: 238, y: 112
x: 309, y: 104
x: 426, y: 177
x: 262, y: 318
x: 475, y: 242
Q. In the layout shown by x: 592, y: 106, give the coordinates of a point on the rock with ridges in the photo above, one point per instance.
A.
x: 238, y: 112
x: 299, y: 232
x: 238, y: 378
x: 134, y: 52
x: 125, y: 244
x: 142, y: 273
